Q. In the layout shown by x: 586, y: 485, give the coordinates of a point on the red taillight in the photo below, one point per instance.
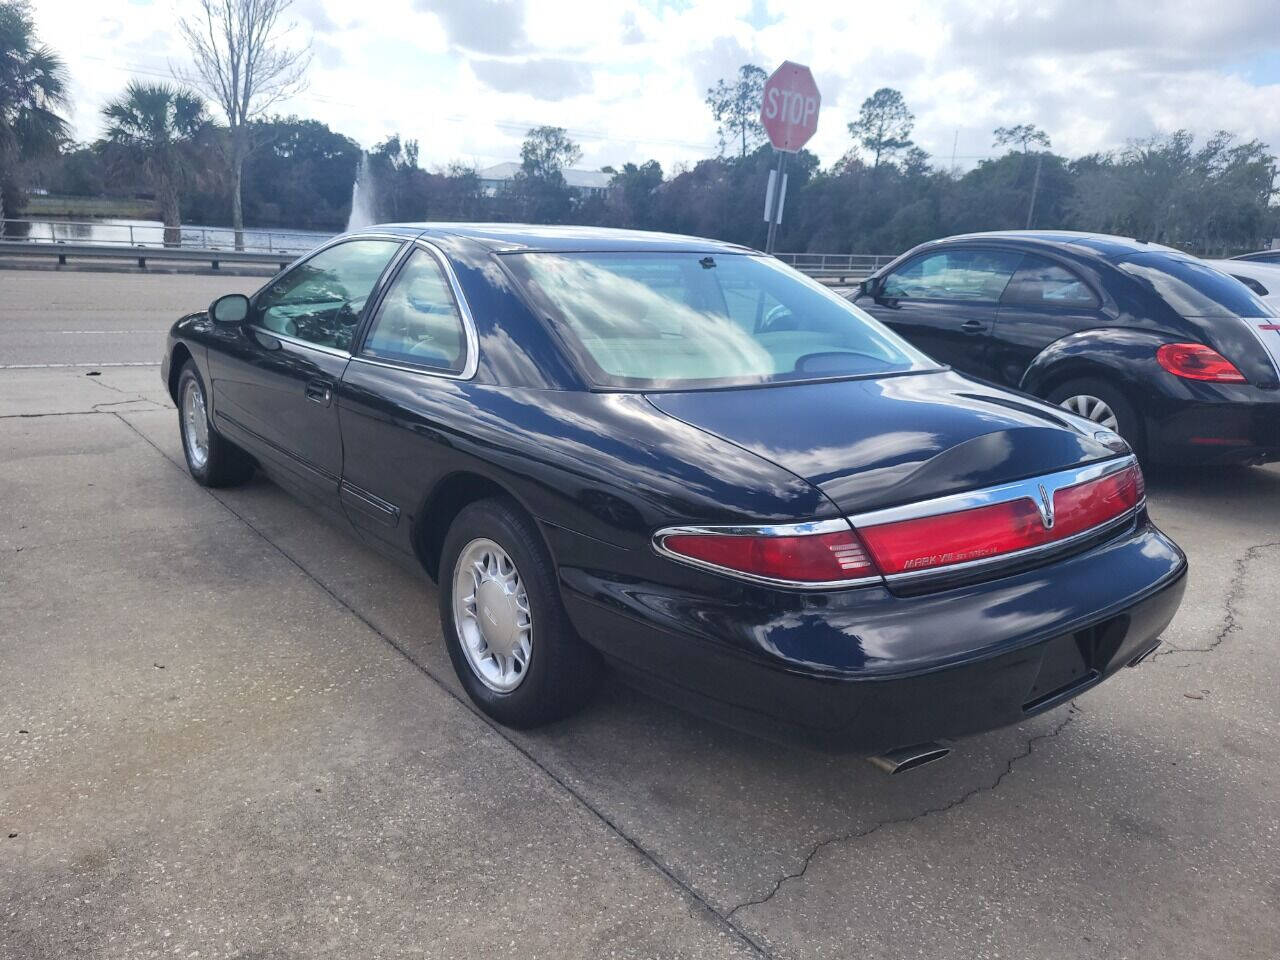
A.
x: 1195, y: 361
x: 1087, y: 505
x: 1001, y: 528
x: 811, y: 558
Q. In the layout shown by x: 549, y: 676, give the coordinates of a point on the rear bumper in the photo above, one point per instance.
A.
x: 867, y: 671
x: 1240, y: 426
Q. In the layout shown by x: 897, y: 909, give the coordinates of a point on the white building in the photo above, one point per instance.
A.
x: 497, y: 178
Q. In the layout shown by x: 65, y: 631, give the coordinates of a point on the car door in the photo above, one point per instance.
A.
x: 275, y: 378
x: 401, y: 387
x: 1044, y: 302
x: 945, y: 302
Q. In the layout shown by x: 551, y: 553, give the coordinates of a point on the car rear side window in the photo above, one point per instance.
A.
x: 1193, y: 288
x: 953, y: 275
x: 1042, y: 283
x: 321, y: 299
x: 419, y: 321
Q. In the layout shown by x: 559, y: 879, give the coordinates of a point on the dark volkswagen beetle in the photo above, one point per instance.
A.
x: 681, y: 458
x: 1179, y: 358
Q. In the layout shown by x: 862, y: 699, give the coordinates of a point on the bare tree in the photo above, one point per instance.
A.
x: 242, y: 64
x: 1023, y: 134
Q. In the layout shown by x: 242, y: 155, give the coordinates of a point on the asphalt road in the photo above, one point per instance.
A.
x: 229, y: 730
x: 98, y: 318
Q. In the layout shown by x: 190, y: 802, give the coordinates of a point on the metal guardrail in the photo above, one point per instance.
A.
x: 292, y: 243
x: 260, y: 248
x: 840, y: 267
x: 140, y: 254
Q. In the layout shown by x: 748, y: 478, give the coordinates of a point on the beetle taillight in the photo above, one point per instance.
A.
x: 1195, y: 361
x: 806, y: 559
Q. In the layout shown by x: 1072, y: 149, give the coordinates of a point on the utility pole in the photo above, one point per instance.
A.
x: 1035, y: 186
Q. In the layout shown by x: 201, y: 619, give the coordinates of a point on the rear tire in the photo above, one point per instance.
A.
x: 1104, y: 405
x: 212, y: 460
x: 505, y: 626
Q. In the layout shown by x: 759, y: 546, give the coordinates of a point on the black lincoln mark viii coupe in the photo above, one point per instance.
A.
x: 1179, y: 358
x: 680, y: 457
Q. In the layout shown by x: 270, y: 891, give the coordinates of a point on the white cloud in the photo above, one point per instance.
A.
x: 628, y: 77
x: 550, y: 78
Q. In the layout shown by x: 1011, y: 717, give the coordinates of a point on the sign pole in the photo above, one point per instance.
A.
x: 774, y: 203
x: 789, y: 114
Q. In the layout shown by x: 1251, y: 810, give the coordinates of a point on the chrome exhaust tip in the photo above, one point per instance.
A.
x: 908, y: 758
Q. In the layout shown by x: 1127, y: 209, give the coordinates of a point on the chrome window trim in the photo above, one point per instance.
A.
x: 808, y: 528
x: 1028, y: 489
x: 298, y: 341
x: 464, y: 310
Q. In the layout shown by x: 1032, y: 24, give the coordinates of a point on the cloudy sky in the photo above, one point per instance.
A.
x: 628, y: 77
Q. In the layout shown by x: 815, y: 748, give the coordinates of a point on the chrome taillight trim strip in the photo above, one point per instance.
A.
x: 1028, y: 489
x: 809, y: 528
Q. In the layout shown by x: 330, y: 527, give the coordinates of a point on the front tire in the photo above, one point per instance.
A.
x: 212, y: 460
x: 1104, y: 405
x: 504, y: 624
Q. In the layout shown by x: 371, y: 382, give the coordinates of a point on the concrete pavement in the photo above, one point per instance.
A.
x: 228, y: 728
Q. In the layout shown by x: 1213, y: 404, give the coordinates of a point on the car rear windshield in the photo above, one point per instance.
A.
x: 1193, y: 288
x: 686, y: 320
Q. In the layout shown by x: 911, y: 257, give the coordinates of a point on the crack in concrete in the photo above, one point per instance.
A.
x: 1235, y: 589
x: 821, y: 845
x: 63, y: 413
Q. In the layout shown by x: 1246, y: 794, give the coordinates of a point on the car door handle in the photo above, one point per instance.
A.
x: 973, y: 326
x: 320, y: 391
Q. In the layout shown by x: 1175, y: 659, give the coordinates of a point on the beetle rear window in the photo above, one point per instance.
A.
x: 1193, y: 288
x: 687, y: 320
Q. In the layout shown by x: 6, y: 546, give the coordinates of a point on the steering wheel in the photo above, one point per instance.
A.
x: 777, y: 317
x: 348, y: 315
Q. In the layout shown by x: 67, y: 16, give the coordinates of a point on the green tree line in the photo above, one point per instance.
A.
x: 884, y: 194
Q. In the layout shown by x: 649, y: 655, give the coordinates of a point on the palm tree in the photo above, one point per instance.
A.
x: 159, y: 124
x: 33, y: 83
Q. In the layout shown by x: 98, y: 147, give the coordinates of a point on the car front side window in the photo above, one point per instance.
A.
x: 419, y: 321
x: 975, y: 275
x: 321, y: 300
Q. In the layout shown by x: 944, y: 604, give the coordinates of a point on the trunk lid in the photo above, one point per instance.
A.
x: 873, y: 443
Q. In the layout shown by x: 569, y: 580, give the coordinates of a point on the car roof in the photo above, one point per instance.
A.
x: 1103, y: 245
x: 528, y: 237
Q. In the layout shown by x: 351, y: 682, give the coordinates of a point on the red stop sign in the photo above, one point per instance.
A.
x: 790, y: 108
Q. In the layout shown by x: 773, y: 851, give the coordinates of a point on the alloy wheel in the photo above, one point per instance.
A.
x: 491, y: 615
x: 195, y: 424
x: 1091, y: 408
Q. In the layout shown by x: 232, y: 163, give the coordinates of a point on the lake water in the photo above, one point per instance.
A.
x: 150, y: 233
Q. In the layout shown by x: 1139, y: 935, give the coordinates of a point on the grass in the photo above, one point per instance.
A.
x: 122, y: 208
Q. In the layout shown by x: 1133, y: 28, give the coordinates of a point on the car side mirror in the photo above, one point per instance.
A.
x: 869, y: 287
x: 231, y: 308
